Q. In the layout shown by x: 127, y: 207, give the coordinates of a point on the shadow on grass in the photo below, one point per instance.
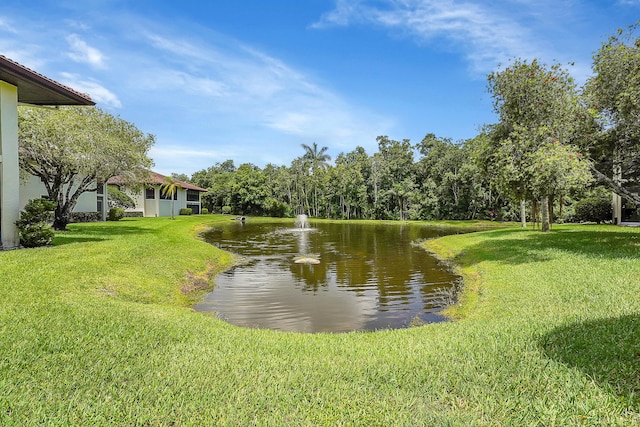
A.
x: 517, y: 246
x: 66, y: 239
x: 607, y: 350
x: 96, y: 232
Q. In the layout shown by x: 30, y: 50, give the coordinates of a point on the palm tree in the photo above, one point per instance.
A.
x: 169, y: 189
x: 317, y: 160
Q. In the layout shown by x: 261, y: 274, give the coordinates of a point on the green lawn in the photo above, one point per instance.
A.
x: 97, y: 330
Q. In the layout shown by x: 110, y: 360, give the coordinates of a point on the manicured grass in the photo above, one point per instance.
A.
x: 96, y: 331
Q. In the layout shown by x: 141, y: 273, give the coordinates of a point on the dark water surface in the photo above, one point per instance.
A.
x: 369, y: 277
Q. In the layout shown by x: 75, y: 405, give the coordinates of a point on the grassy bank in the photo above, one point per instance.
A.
x: 97, y: 330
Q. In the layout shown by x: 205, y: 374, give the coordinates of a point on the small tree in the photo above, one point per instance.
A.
x: 33, y: 225
x: 71, y: 149
x: 170, y: 189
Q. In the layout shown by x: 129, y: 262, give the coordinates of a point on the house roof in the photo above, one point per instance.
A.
x: 36, y: 89
x: 157, y: 179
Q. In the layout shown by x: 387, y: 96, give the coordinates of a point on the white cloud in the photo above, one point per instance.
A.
x: 82, y: 52
x: 345, y: 12
x: 178, y: 151
x: 486, y: 34
x: 5, y: 26
x: 178, y: 47
x: 24, y: 57
x: 183, y: 159
x: 164, y: 78
x: 98, y: 93
x: 79, y: 25
x: 199, y: 89
x: 233, y: 81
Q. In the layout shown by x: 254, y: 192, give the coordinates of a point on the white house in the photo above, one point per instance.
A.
x: 89, y: 202
x: 18, y: 84
x: 150, y: 201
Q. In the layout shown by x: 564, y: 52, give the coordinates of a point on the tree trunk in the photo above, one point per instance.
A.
x: 66, y: 202
x: 523, y: 213
x: 61, y: 218
x: 561, y: 204
x: 544, y: 214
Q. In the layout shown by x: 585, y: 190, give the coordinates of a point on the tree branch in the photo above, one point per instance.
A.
x: 614, y: 186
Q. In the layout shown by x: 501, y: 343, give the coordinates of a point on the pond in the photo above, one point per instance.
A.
x: 328, y: 277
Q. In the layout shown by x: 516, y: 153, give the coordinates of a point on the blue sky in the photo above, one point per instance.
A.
x: 252, y: 80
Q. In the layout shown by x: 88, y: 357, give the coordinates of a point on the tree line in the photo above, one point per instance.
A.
x: 443, y: 182
x: 554, y: 143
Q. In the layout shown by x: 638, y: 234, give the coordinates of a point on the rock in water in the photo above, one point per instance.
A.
x: 306, y: 260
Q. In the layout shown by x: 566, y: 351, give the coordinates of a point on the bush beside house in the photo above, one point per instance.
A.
x: 34, y: 224
x: 115, y: 214
x: 593, y: 209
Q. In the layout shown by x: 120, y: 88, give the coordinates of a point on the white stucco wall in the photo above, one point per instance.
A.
x: 157, y: 206
x: 33, y: 188
x: 617, y: 209
x: 9, y: 169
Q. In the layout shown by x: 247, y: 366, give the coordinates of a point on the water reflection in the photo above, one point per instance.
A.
x: 369, y: 277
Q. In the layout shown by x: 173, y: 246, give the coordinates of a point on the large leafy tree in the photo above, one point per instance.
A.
x: 449, y: 182
x: 218, y: 179
x: 531, y: 154
x: 279, y: 188
x: 613, y: 94
x: 349, y: 183
x: 248, y: 190
x: 392, y: 166
x: 72, y: 149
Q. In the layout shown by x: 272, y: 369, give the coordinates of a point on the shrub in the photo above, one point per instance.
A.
x: 204, y: 211
x: 86, y: 216
x: 186, y: 211
x: 118, y: 199
x: 115, y: 214
x: 593, y: 209
x: 33, y: 225
x: 226, y: 210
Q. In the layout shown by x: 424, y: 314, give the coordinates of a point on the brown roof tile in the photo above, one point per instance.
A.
x: 157, y: 179
x: 35, y: 88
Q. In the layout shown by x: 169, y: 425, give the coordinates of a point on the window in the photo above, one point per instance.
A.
x: 195, y: 209
x: 150, y: 193
x: 166, y: 197
x: 193, y: 196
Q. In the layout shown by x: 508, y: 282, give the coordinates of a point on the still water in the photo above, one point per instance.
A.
x: 353, y: 276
